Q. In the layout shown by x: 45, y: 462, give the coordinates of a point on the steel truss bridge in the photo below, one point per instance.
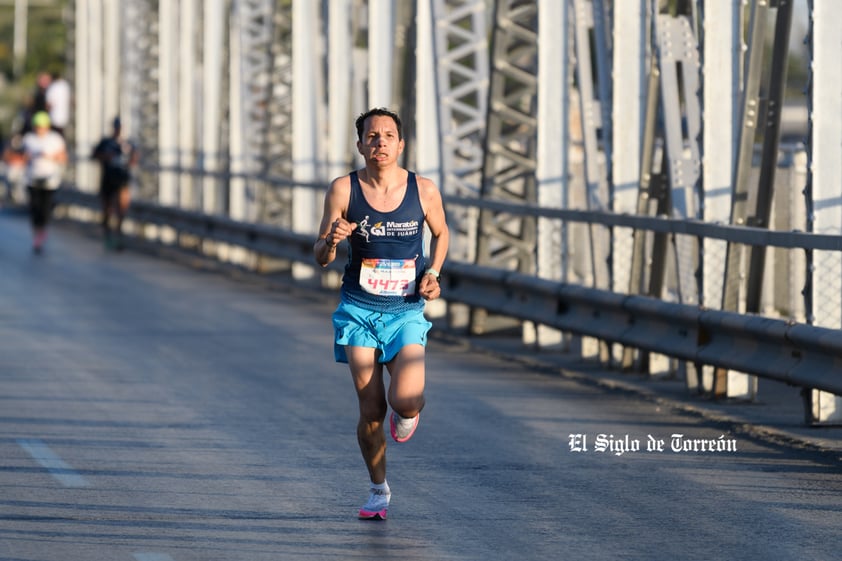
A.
x: 632, y: 147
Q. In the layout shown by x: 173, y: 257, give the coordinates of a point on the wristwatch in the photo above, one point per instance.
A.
x: 435, y: 274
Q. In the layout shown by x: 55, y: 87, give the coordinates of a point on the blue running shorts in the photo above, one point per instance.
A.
x: 384, y: 331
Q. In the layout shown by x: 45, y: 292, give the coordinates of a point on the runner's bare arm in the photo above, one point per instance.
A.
x: 433, y: 206
x: 333, y: 228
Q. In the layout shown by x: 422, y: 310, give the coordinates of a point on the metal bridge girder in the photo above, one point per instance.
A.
x: 275, y: 202
x: 590, y: 29
x: 462, y: 79
x: 823, y: 290
x: 505, y: 240
x: 678, y: 49
x: 761, y: 116
x: 250, y: 92
x: 669, y: 177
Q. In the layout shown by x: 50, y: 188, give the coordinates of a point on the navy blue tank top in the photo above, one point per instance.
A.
x: 385, y: 241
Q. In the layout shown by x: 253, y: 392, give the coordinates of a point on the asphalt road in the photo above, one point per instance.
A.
x: 154, y: 411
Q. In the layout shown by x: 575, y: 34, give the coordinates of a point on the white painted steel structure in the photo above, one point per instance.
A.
x: 553, y: 115
x: 243, y: 104
x: 826, y: 177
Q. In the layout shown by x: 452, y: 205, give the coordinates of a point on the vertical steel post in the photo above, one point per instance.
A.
x: 629, y: 73
x: 428, y: 136
x: 305, y: 107
x: 427, y: 133
x: 186, y: 102
x: 504, y: 240
x: 724, y: 382
x: 749, y: 119
x: 629, y: 58
x: 721, y: 51
x: 647, y: 204
x: 341, y: 133
x: 111, y: 63
x: 459, y: 73
x: 551, y: 153
x: 276, y: 203
x: 168, y: 102
x: 596, y: 133
x: 240, y: 201
x: 825, y: 182
x: 133, y: 35
x: 720, y: 94
x: 381, y: 53
x: 83, y: 83
x: 679, y: 63
x: 759, y: 115
x: 20, y: 31
x: 213, y: 32
x: 769, y: 156
x: 460, y: 49
x: 591, y: 42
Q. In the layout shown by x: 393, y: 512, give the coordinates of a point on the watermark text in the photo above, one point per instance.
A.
x: 622, y: 444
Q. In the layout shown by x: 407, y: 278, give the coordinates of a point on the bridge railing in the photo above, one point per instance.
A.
x: 787, y: 351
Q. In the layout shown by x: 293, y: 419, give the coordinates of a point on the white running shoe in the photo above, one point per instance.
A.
x: 377, y: 505
x: 402, y: 428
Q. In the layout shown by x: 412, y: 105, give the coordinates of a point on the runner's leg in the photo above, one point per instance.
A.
x: 406, y: 388
x: 367, y: 374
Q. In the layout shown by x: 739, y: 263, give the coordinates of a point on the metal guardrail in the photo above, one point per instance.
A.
x: 795, y: 353
x: 799, y: 354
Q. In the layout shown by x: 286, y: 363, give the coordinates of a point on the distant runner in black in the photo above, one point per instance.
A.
x: 118, y: 156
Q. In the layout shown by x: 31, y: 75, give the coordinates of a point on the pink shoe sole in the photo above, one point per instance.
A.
x: 369, y: 515
x: 393, y: 427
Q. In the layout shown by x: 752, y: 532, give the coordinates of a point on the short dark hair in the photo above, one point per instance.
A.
x: 380, y: 111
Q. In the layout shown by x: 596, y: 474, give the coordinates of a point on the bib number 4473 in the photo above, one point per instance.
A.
x: 388, y: 277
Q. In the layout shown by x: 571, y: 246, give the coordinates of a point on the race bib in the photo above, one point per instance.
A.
x: 388, y: 277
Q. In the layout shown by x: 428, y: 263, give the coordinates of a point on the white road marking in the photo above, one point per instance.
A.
x: 48, y: 459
